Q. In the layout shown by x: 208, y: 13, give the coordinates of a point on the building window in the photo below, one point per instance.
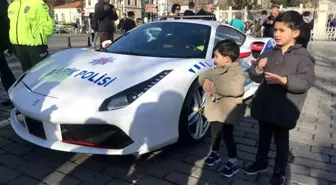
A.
x: 129, y: 2
x: 63, y: 17
x: 136, y: 2
x: 56, y: 17
x: 89, y: 2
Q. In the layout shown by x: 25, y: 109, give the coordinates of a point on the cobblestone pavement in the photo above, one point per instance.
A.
x: 312, y: 161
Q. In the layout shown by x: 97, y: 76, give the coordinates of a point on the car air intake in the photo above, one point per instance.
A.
x: 98, y: 136
x: 35, y: 127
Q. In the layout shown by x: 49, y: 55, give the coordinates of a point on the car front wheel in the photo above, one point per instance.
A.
x: 193, y: 126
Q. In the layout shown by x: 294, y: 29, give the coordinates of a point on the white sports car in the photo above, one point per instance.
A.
x: 138, y: 95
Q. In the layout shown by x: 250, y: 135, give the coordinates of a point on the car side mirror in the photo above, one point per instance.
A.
x: 106, y: 43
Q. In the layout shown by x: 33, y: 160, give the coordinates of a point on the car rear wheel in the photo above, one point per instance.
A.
x: 193, y: 125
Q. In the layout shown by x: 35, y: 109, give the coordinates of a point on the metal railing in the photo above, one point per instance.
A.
x: 328, y: 33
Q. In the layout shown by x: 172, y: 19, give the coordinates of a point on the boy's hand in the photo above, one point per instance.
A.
x: 209, y: 86
x: 272, y: 78
x: 261, y: 65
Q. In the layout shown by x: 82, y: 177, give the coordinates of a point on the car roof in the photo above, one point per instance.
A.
x: 195, y: 21
x: 211, y: 23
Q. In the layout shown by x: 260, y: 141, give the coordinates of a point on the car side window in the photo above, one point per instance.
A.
x: 225, y: 32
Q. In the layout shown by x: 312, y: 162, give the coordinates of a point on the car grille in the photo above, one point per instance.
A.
x: 35, y: 127
x: 99, y: 136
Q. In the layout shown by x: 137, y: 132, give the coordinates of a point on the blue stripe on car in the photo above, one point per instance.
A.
x: 197, y: 66
x: 202, y: 64
x: 191, y: 70
x: 207, y: 64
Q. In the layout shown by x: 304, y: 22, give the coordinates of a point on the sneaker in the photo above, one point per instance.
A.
x: 255, y: 168
x: 229, y: 170
x: 278, y: 178
x: 212, y: 159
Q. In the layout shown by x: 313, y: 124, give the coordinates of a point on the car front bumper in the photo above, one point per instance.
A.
x: 52, y: 138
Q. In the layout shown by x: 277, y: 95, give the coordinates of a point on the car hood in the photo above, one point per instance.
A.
x: 78, y: 73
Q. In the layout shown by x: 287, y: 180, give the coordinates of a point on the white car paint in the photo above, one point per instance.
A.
x: 61, y: 91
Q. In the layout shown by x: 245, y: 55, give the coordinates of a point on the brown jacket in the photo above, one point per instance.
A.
x: 229, y: 84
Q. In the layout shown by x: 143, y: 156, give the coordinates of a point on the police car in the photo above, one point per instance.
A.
x: 137, y: 95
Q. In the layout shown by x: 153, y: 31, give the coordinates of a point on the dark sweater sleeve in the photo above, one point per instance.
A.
x: 304, y: 78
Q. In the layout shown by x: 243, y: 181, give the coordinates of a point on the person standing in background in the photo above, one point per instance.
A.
x: 330, y: 20
x: 190, y: 12
x: 269, y: 23
x: 238, y: 23
x: 121, y: 24
x: 129, y: 23
x: 259, y: 28
x: 105, y: 14
x: 175, y: 10
x: 94, y: 29
x: 139, y: 22
x: 306, y: 28
x: 6, y: 75
x: 208, y: 10
x: 30, y: 29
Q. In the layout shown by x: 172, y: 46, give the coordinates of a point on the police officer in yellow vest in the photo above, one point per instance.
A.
x: 30, y: 29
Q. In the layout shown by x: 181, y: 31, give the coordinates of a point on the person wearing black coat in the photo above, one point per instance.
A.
x: 285, y: 73
x: 6, y: 75
x: 190, y: 12
x: 306, y: 28
x: 105, y: 14
x: 269, y: 23
x: 94, y: 29
x: 207, y: 11
x: 129, y: 23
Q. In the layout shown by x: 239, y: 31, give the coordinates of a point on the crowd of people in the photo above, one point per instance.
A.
x: 263, y: 27
x: 102, y: 22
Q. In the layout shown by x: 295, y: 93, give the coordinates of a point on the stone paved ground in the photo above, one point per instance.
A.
x: 312, y: 161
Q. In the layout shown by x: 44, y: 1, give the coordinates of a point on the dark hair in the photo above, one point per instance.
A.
x: 264, y: 12
x: 130, y: 14
x: 91, y: 15
x: 292, y: 18
x: 306, y: 13
x: 228, y: 48
x: 191, y: 5
x: 174, y: 7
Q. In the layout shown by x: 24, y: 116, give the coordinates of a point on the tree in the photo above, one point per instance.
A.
x: 241, y: 4
x: 284, y: 3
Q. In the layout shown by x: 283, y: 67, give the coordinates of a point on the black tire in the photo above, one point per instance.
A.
x: 184, y: 133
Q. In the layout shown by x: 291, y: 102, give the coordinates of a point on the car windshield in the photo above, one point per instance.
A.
x: 164, y: 39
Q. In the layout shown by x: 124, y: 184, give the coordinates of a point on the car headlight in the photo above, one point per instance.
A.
x: 128, y: 96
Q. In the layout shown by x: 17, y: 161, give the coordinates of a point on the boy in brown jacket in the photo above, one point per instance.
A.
x: 224, y: 86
